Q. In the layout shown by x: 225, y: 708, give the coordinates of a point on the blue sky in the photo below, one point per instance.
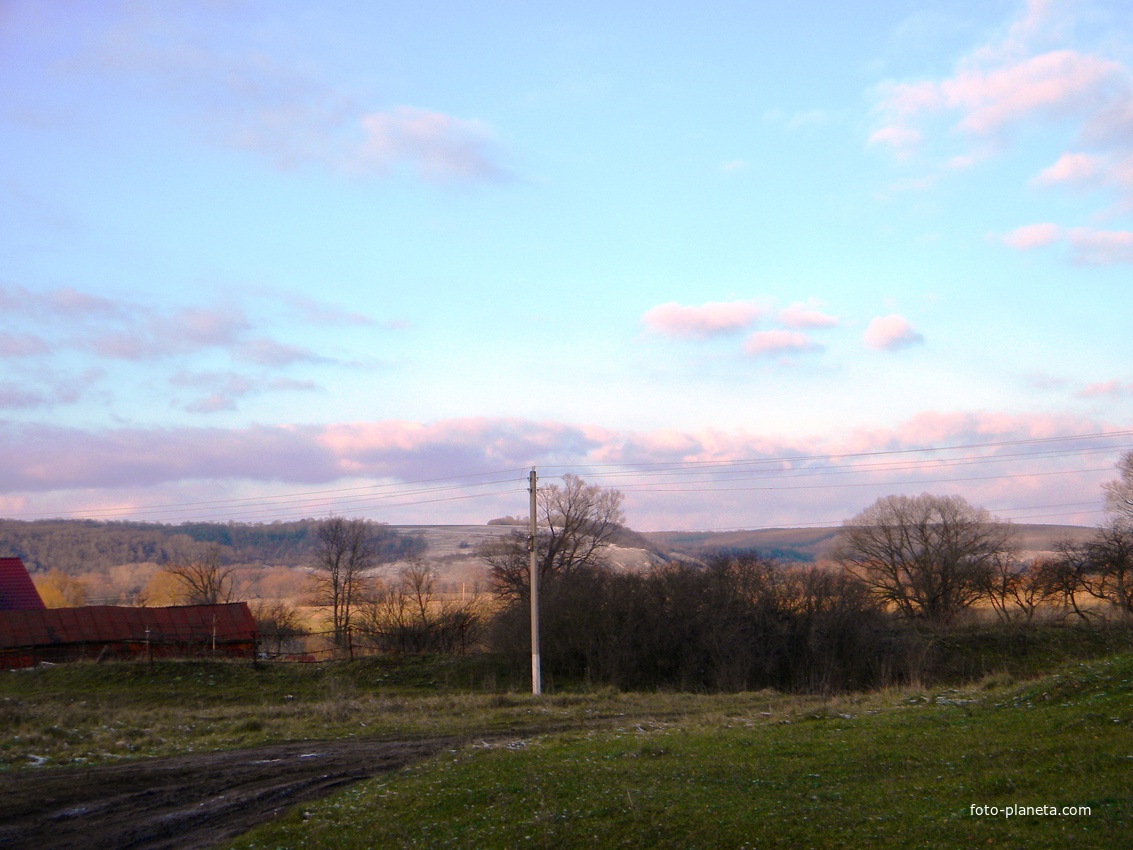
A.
x: 266, y: 260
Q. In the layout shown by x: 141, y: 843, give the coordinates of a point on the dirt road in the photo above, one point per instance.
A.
x: 184, y: 802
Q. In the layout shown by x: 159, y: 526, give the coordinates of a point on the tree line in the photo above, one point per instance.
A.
x: 904, y: 570
x: 81, y: 546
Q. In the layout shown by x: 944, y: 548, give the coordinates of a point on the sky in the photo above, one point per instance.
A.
x: 754, y: 265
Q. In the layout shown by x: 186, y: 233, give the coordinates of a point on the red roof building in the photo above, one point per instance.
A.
x: 17, y: 592
x: 101, y: 631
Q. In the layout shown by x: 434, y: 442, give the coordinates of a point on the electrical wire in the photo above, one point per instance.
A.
x: 666, y: 477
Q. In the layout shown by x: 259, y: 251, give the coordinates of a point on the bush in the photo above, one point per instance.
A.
x: 742, y: 622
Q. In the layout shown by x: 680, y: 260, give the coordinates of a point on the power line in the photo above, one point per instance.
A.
x: 689, y: 464
x: 686, y: 477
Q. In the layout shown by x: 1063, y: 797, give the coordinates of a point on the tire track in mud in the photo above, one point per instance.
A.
x: 187, y: 801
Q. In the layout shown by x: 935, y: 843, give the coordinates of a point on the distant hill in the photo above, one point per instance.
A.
x: 82, y: 546
x: 79, y: 546
x: 806, y: 545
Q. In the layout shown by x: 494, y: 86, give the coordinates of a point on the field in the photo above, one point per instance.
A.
x: 498, y: 768
x: 761, y: 770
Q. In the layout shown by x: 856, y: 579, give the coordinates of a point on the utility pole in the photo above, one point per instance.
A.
x: 536, y: 668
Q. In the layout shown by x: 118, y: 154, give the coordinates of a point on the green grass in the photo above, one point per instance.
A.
x: 80, y: 714
x: 900, y: 769
x: 897, y: 768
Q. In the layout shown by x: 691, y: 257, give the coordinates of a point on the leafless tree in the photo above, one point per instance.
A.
x: 345, y: 556
x: 203, y: 580
x: 576, y: 522
x: 277, y: 622
x: 1017, y: 591
x: 412, y: 615
x: 1063, y: 576
x: 1108, y: 573
x: 1119, y: 493
x: 927, y: 556
x: 1102, y: 566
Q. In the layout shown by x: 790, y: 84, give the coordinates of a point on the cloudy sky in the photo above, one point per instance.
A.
x: 753, y: 264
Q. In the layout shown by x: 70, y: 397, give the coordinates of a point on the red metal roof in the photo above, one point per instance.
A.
x: 17, y: 592
x: 231, y: 622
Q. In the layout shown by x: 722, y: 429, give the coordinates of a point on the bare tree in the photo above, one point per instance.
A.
x: 576, y: 522
x: 1103, y: 565
x: 346, y: 554
x: 1018, y: 591
x: 1108, y: 573
x: 202, y: 580
x: 277, y: 622
x: 1063, y: 577
x: 1119, y: 493
x: 927, y: 556
x: 412, y: 615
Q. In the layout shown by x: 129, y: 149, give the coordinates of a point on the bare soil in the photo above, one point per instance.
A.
x: 187, y: 801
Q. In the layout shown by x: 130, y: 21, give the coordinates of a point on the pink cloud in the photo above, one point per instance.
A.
x: 1112, y: 388
x: 151, y: 335
x: 1101, y: 247
x: 437, y: 146
x: 762, y: 343
x: 127, y: 330
x: 21, y: 345
x: 1055, y: 84
x: 310, y: 310
x: 890, y: 333
x: 1094, y: 171
x: 1089, y: 246
x: 46, y: 393
x: 988, y: 100
x: 214, y: 403
x: 907, y: 100
x: 901, y: 139
x: 1071, y: 168
x: 711, y: 319
x: 253, y: 101
x: 269, y: 352
x: 1033, y: 236
x: 1006, y: 83
x: 806, y: 316
x: 224, y: 390
x: 15, y: 396
x: 63, y: 304
x: 676, y: 479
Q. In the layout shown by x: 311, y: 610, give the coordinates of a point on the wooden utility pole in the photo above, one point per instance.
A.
x: 536, y: 668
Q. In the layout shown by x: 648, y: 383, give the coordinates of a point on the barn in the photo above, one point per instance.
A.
x: 17, y: 592
x: 97, y: 632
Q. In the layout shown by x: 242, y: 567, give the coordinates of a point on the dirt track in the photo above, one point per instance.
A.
x: 184, y: 802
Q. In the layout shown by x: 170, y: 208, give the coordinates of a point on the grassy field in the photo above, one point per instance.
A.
x: 899, y: 768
